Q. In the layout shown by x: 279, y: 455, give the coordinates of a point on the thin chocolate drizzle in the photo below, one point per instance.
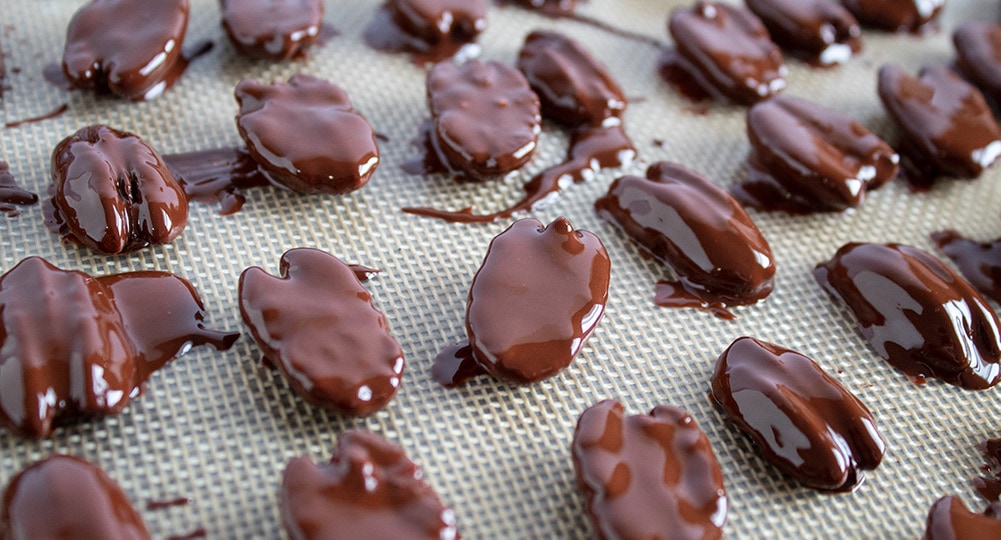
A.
x: 219, y: 175
x: 54, y: 113
x: 11, y: 194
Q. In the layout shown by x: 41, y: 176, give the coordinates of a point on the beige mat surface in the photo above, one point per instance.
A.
x: 219, y: 427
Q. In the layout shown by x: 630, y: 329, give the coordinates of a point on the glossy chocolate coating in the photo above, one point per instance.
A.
x: 819, y: 31
x: 11, y: 194
x: 979, y: 262
x: 919, y: 315
x: 950, y: 519
x: 485, y: 117
x: 370, y: 489
x: 131, y: 48
x: 536, y: 298
x: 648, y: 476
x: 432, y: 30
x: 727, y: 51
x: 73, y: 345
x: 978, y: 56
x: 317, y: 323
x: 799, y: 417
x: 217, y: 175
x: 305, y: 135
x: 896, y: 15
x: 272, y: 29
x: 572, y: 86
x: 718, y: 255
x: 948, y: 128
x: 113, y: 192
x: 806, y: 158
x: 66, y: 497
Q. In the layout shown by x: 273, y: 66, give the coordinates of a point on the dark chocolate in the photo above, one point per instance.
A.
x: 87, y: 345
x: 718, y: 256
x: 800, y: 419
x: 11, y: 194
x: 919, y: 315
x: 485, y: 117
x: 648, y: 476
x: 950, y: 519
x: 806, y: 158
x: 947, y: 126
x: 370, y: 489
x: 317, y: 323
x: 573, y: 87
x: 979, y: 262
x: 67, y: 497
x: 989, y: 487
x: 54, y: 113
x: 131, y: 48
x: 896, y: 15
x: 113, y: 193
x: 552, y: 8
x: 819, y: 31
x: 273, y: 29
x: 305, y: 135
x: 978, y: 56
x: 430, y: 30
x: 725, y: 51
x: 219, y: 175
x: 535, y: 300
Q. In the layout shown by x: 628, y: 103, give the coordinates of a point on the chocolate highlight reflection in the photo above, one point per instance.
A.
x: 73, y: 345
x: 950, y: 519
x: 821, y: 32
x: 918, y: 16
x: 430, y: 30
x: 648, y: 476
x: 273, y: 29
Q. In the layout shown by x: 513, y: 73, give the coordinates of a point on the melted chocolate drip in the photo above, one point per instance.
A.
x: 979, y: 262
x: 990, y: 487
x: 950, y: 519
x: 317, y: 323
x: 948, y: 128
x: 723, y: 52
x: 58, y: 324
x: 197, y: 533
x: 11, y: 194
x: 799, y: 417
x: 919, y: 315
x: 54, y: 113
x: 217, y: 176
x: 429, y: 30
x: 648, y: 476
x: 67, y: 497
x: 170, y: 503
x: 370, y: 489
x: 533, y: 303
x: 717, y: 254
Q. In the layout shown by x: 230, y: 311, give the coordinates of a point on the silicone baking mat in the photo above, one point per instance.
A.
x: 218, y: 427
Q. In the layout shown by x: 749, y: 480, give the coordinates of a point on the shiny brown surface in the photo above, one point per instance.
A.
x: 485, y: 117
x: 800, y: 418
x: 950, y: 519
x: 807, y: 158
x: 272, y: 29
x: 978, y: 56
x: 726, y: 51
x: 67, y: 497
x: 947, y: 127
x: 113, y: 193
x: 535, y: 300
x: 819, y: 31
x: 897, y: 15
x: 218, y: 175
x: 305, y: 135
x: 979, y: 262
x: 73, y: 345
x: 317, y: 323
x: 131, y: 48
x: 920, y: 316
x: 718, y: 256
x: 573, y: 87
x: 370, y: 489
x: 11, y: 194
x: 648, y: 476
x: 430, y: 30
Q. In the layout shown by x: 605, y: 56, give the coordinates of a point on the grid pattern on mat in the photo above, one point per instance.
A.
x: 219, y: 427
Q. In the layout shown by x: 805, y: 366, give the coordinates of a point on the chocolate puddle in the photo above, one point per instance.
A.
x: 54, y: 113
x: 990, y: 487
x: 11, y: 194
x: 979, y: 262
x: 218, y: 176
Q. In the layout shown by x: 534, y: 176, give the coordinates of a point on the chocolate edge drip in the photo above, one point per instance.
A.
x: 217, y: 176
